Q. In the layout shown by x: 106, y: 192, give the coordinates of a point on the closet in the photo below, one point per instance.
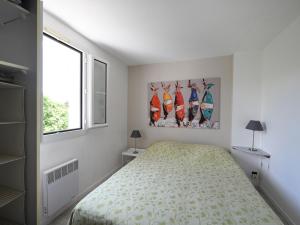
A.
x: 18, y: 114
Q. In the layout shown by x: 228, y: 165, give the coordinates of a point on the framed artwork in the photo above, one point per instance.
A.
x: 191, y: 103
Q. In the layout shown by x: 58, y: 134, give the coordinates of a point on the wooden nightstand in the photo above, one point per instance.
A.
x: 131, y: 154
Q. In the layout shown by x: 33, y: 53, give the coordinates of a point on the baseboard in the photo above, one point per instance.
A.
x: 276, y: 207
x: 48, y: 220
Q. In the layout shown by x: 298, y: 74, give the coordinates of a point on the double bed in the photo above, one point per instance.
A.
x: 176, y: 183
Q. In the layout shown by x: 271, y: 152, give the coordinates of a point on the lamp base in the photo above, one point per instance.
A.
x: 135, y: 152
x: 253, y: 149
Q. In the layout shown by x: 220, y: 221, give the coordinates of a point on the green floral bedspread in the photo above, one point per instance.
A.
x: 174, y: 183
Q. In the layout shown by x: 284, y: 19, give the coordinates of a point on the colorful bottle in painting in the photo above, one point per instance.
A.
x: 207, y: 104
x: 155, y: 107
x: 193, y: 101
x: 179, y: 104
x: 167, y: 98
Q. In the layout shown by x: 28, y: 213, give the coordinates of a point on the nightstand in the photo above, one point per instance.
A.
x: 130, y: 154
x: 247, y: 150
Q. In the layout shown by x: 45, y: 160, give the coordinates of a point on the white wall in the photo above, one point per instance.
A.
x: 98, y: 150
x: 266, y: 87
x: 140, y: 76
x: 246, y: 96
x: 281, y: 113
x: 246, y: 105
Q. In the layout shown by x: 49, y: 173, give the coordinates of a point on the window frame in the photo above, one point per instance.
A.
x: 90, y: 88
x: 81, y: 87
x: 93, y: 101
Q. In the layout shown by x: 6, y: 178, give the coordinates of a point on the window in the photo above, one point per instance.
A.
x: 62, y: 86
x: 97, y: 93
x: 99, y: 87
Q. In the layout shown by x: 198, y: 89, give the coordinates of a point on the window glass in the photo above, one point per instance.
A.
x: 62, y: 89
x: 99, y: 107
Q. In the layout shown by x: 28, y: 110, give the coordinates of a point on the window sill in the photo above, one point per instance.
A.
x: 61, y: 136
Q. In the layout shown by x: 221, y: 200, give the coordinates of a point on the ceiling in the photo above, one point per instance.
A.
x: 153, y: 31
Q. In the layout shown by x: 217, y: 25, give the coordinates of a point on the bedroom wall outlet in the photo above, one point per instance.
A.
x: 254, y: 174
x: 255, y: 178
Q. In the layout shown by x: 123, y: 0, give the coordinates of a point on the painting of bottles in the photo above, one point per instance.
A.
x: 193, y: 103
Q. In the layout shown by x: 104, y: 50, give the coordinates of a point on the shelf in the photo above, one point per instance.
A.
x: 10, y: 12
x: 8, y: 67
x: 8, y: 195
x: 12, y: 123
x: 248, y: 150
x: 6, y: 222
x: 4, y: 159
x: 9, y: 85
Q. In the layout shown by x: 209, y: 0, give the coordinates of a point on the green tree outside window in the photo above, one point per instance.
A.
x: 55, y: 115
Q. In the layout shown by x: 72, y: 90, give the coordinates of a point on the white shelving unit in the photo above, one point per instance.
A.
x: 10, y: 12
x: 17, y: 138
x: 12, y: 146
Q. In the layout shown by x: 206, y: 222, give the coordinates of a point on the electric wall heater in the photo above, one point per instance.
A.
x: 60, y: 186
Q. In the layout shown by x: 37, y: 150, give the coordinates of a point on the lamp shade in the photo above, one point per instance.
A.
x: 135, y: 134
x: 254, y: 125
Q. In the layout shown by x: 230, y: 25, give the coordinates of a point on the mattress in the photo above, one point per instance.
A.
x: 175, y: 183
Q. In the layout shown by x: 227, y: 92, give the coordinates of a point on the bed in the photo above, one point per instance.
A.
x: 175, y: 183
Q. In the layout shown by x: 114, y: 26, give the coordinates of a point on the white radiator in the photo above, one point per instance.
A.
x: 60, y: 186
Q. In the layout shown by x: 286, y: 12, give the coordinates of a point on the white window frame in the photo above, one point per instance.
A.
x: 87, y: 98
x: 90, y: 92
x: 59, y: 136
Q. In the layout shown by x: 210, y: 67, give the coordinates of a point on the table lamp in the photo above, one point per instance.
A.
x: 135, y: 134
x: 254, y: 125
